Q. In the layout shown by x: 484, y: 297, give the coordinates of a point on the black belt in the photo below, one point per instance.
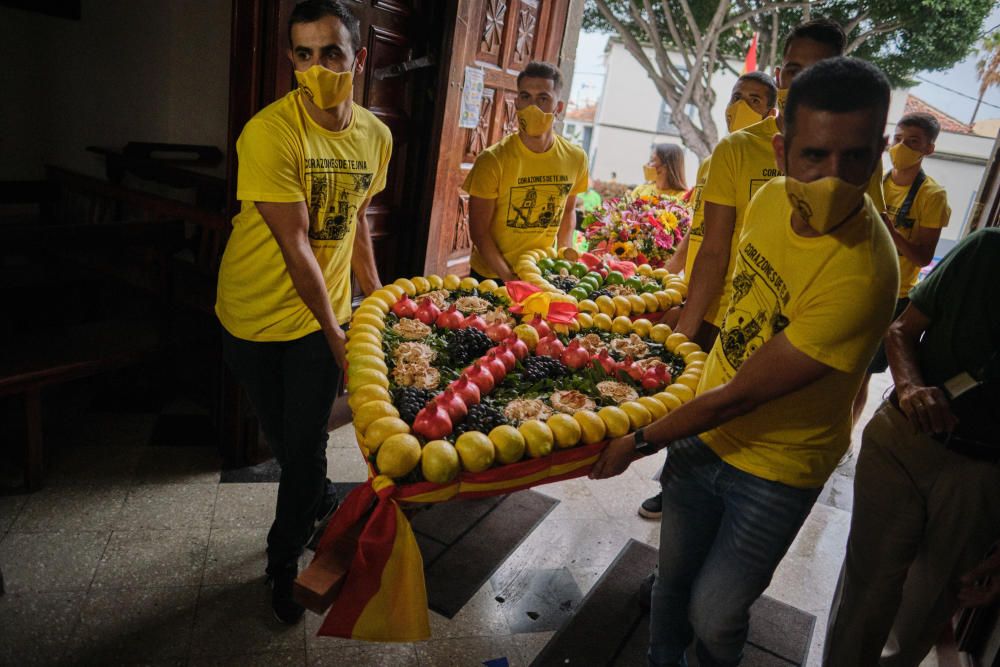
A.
x: 980, y: 450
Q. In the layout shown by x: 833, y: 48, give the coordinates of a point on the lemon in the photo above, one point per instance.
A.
x: 376, y: 304
x: 652, y: 303
x: 566, y: 431
x: 675, y: 339
x: 592, y: 427
x: 451, y: 281
x: 644, y: 270
x: 508, y: 442
x: 368, y: 310
x: 696, y: 356
x: 538, y: 438
x: 439, y: 462
x: 357, y: 329
x: 368, y: 361
x: 476, y: 451
x: 560, y: 297
x: 366, y: 338
x: 363, y: 349
x: 372, y: 410
x: 638, y: 415
x: 366, y: 376
x: 396, y: 291
x: 660, y: 273
x: 692, y: 365
x: 602, y: 322
x: 676, y: 298
x: 605, y: 305
x: 622, y: 305
x: 686, y: 348
x: 663, y: 300
x: 642, y: 327
x: 616, y: 420
x: 369, y: 319
x: 659, y: 332
x: 382, y: 428
x: 656, y: 409
x: 436, y: 281
x: 488, y: 286
x: 678, y: 285
x: 398, y: 455
x: 501, y: 292
x: 372, y: 392
x: 690, y: 380
x: 407, y: 286
x: 681, y: 391
x: 469, y: 283
x: 570, y: 328
x: 585, y: 320
x: 669, y: 401
x: 421, y: 283
x: 636, y: 304
x: 588, y: 306
x: 528, y: 334
x: 621, y: 325
x: 383, y: 295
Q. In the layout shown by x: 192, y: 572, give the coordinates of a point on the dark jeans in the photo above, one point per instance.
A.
x: 292, y: 385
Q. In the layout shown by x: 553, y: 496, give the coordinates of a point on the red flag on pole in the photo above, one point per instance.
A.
x: 750, y: 62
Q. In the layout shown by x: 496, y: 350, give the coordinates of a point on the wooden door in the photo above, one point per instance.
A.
x: 501, y: 37
x: 394, y: 32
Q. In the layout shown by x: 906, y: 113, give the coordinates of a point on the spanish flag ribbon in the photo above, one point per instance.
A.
x: 531, y: 300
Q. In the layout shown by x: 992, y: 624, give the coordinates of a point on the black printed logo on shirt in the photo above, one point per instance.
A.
x: 538, y: 203
x: 334, y: 196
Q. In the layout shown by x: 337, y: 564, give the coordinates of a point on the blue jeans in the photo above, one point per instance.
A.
x: 723, y: 533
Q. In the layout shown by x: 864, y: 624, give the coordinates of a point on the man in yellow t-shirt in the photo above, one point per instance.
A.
x: 741, y: 164
x: 753, y: 99
x: 309, y: 165
x: 522, y: 189
x: 917, y: 210
x: 814, y: 286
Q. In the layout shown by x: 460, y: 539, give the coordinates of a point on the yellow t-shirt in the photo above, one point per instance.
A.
x: 530, y: 190
x: 741, y: 163
x: 648, y: 189
x: 930, y: 210
x: 284, y: 156
x: 833, y: 297
x: 697, y: 233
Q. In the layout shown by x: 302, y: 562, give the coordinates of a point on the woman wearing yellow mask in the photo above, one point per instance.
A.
x: 664, y: 173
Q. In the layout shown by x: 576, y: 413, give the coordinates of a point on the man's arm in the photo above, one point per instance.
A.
x: 926, y: 407
x: 480, y: 222
x: 289, y: 223
x: 919, y: 250
x: 708, y: 275
x: 363, y: 254
x: 774, y: 370
x: 568, y: 224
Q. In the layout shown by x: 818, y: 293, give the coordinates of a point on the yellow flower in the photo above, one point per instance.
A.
x: 668, y: 220
x: 623, y: 250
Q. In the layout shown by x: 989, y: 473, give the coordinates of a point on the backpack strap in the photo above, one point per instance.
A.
x: 911, y: 195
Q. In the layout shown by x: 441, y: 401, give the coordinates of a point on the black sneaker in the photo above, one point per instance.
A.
x: 285, y: 608
x: 646, y: 592
x: 652, y: 508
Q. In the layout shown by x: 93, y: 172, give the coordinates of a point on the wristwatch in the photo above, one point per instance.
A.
x: 642, y: 446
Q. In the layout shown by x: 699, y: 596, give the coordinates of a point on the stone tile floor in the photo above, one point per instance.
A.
x: 134, y: 554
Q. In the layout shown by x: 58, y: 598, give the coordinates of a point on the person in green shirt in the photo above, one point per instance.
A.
x: 927, y: 488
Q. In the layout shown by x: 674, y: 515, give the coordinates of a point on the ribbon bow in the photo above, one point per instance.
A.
x: 530, y: 300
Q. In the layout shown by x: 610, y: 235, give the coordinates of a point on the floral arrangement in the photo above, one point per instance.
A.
x: 646, y: 230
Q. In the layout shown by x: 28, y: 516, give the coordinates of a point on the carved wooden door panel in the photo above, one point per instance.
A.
x: 501, y: 37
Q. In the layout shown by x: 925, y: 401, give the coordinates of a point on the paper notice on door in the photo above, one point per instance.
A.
x: 472, y: 97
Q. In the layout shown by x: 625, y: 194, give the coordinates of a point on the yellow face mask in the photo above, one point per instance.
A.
x: 904, y: 157
x: 782, y: 98
x: 825, y: 203
x: 533, y: 121
x: 324, y: 87
x: 740, y: 115
x: 649, y: 173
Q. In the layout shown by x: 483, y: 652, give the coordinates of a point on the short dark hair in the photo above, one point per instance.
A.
x: 839, y: 85
x: 309, y: 11
x: 924, y: 121
x: 537, y: 69
x: 822, y: 30
x: 765, y: 80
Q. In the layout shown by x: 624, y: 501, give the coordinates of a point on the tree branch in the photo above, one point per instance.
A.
x: 773, y: 53
x: 766, y: 9
x: 852, y: 25
x: 692, y: 25
x: 877, y: 30
x: 662, y: 58
x: 674, y: 33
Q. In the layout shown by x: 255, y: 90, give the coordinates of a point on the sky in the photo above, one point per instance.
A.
x: 588, y: 78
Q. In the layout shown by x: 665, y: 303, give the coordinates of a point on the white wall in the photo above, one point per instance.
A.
x: 129, y: 70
